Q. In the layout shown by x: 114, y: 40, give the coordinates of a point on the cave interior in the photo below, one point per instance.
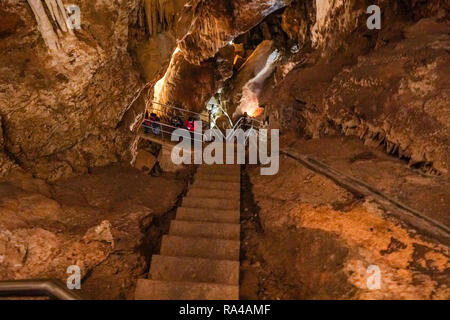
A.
x: 361, y: 112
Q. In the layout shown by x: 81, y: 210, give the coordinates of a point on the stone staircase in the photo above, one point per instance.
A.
x: 199, y: 258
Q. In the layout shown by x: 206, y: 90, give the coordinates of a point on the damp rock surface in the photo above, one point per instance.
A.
x: 314, y: 240
x: 98, y: 222
x: 61, y: 108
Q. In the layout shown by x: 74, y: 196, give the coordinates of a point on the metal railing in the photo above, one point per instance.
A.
x: 251, y: 122
x: 249, y: 125
x: 54, y: 289
x: 165, y: 131
x: 167, y: 112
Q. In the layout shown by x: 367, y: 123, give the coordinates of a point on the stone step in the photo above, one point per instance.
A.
x: 207, y: 184
x: 208, y: 215
x: 165, y: 268
x: 218, y: 177
x: 212, y: 193
x: 200, y: 248
x: 227, y: 166
x: 224, y: 231
x: 164, y: 290
x: 211, y: 203
x: 220, y: 170
x: 199, y: 259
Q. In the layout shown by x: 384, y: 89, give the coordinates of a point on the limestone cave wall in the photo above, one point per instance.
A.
x: 389, y: 86
x: 61, y: 104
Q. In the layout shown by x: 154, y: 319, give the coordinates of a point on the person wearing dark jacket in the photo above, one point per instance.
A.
x: 176, y: 122
x: 246, y: 122
x: 155, y: 123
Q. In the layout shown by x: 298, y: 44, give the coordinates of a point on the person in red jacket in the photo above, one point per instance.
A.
x: 190, y: 124
x: 146, y: 124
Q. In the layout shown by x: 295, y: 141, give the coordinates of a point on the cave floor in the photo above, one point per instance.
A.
x: 427, y: 194
x: 305, y: 237
x: 107, y: 222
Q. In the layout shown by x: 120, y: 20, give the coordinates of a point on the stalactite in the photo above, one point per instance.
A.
x: 160, y: 15
x: 44, y: 25
x: 58, y: 14
x: 151, y: 12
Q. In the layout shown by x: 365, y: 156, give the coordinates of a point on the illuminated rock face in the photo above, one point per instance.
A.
x: 216, y: 23
x: 190, y: 86
x: 245, y: 87
x: 205, y: 59
x: 386, y: 87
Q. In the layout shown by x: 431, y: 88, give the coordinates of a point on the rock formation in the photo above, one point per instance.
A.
x: 62, y: 99
x: 216, y: 23
x: 190, y: 86
x: 384, y: 86
x: 58, y: 14
x: 72, y: 100
x: 244, y: 89
x: 162, y: 25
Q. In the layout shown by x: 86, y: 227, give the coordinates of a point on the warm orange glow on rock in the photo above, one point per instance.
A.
x: 250, y: 103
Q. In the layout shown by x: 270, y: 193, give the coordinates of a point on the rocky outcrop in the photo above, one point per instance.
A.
x: 99, y: 222
x: 216, y: 23
x: 386, y: 87
x: 61, y: 103
x: 190, y: 86
x: 243, y: 90
x: 397, y: 97
x: 203, y: 60
x: 145, y: 161
x: 34, y: 252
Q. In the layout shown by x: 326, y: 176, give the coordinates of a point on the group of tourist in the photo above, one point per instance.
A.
x: 152, y: 123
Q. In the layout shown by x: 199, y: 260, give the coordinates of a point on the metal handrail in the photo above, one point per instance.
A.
x: 198, y: 116
x: 251, y: 130
x: 194, y: 135
x: 51, y: 288
x: 171, y: 129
